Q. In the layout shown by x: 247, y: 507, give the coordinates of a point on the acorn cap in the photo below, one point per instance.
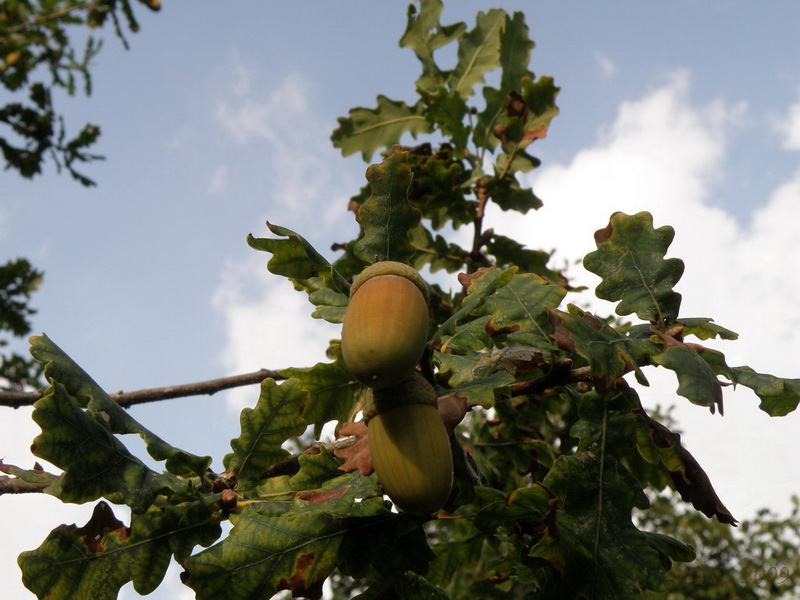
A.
x: 413, y: 390
x: 391, y: 267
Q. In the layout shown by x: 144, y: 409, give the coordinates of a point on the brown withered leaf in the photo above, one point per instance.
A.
x: 102, y: 522
x: 357, y: 456
x: 691, y: 481
x: 321, y: 496
x: 560, y: 335
x: 453, y: 408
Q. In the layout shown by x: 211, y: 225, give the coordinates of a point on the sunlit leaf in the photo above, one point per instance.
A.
x: 424, y: 34
x: 630, y: 260
x: 368, y: 130
x: 480, y: 285
x: 518, y: 311
x: 333, y: 393
x: 478, y: 52
x: 275, y: 547
x: 276, y: 417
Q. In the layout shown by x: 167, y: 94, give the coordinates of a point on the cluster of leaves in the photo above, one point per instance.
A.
x: 554, y: 454
x: 37, y: 57
x: 18, y: 280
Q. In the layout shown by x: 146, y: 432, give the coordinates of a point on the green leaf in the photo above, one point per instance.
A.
x: 528, y: 117
x: 330, y: 304
x: 481, y: 284
x: 515, y: 52
x: 481, y: 390
x: 697, y: 382
x: 95, y: 463
x: 296, y: 258
x: 518, y: 311
x: 705, y: 329
x: 447, y: 110
x: 367, y: 130
x: 333, y: 393
x: 609, y: 353
x: 508, y: 194
x: 96, y: 560
x: 528, y: 505
x: 468, y: 337
x: 437, y: 188
x: 386, y: 217
x: 592, y: 544
x: 424, y: 34
x: 272, y: 548
x: 82, y: 389
x: 278, y: 416
x: 630, y: 260
x: 778, y: 396
x: 436, y: 252
x: 478, y: 52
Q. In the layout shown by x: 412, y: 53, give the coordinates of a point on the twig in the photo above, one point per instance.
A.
x: 127, y: 399
x: 42, y: 19
x: 12, y: 485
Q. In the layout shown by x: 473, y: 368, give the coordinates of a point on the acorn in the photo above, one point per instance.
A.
x: 385, y: 326
x: 409, y: 445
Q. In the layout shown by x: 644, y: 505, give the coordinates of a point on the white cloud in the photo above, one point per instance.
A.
x: 663, y: 155
x: 246, y: 117
x: 268, y: 324
x: 219, y: 179
x: 790, y: 128
x: 607, y: 67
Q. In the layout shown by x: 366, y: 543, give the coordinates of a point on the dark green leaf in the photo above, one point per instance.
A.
x: 515, y: 52
x: 630, y: 260
x: 697, y: 382
x: 96, y: 560
x: 778, y: 396
x: 81, y: 389
x: 386, y: 217
x: 446, y: 111
x: 95, y: 463
x: 277, y: 417
x: 273, y: 547
x: 609, y: 353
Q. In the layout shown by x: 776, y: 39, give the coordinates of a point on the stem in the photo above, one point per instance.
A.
x: 42, y: 19
x: 127, y: 399
x: 12, y: 485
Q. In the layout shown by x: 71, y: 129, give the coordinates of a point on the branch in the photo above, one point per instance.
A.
x: 12, y: 485
x: 127, y: 399
x: 42, y: 19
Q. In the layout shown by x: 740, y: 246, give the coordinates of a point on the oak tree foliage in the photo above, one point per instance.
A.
x: 559, y: 468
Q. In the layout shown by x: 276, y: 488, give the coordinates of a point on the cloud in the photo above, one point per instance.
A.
x: 607, y: 67
x: 664, y: 155
x: 219, y: 179
x: 268, y: 324
x: 790, y: 127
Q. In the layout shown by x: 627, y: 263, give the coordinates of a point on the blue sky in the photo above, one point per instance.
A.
x: 218, y: 119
